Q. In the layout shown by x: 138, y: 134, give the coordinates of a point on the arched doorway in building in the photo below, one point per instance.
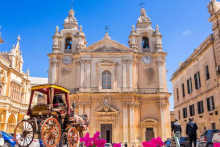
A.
x: 11, y: 123
x: 149, y: 134
x: 106, y: 132
x: 150, y: 129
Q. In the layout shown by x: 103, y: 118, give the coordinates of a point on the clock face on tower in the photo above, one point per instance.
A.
x: 67, y: 60
x: 146, y: 59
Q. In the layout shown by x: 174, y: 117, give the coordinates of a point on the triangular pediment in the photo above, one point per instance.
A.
x: 108, y: 49
x: 108, y: 45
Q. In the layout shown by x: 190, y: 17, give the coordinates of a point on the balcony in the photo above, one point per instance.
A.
x: 121, y: 90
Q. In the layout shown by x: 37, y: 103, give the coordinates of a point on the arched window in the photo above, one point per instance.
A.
x: 68, y: 43
x: 145, y: 43
x: 106, y: 80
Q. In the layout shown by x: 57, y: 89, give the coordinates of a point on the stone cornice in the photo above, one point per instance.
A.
x: 12, y: 103
x: 124, y: 94
x: 197, y: 52
x: 78, y: 55
x: 217, y: 14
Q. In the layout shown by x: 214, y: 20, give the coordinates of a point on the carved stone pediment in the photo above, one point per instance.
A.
x: 108, y: 45
x: 106, y: 108
x: 108, y: 49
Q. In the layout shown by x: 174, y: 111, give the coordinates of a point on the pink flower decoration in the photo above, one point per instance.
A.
x: 117, y: 145
x: 149, y: 144
x: 96, y: 135
x: 155, y: 142
x: 216, y: 144
x: 95, y: 141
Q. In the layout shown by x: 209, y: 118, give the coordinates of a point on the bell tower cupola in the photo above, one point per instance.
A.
x: 144, y: 23
x: 71, y: 38
x: 70, y: 22
x: 144, y: 38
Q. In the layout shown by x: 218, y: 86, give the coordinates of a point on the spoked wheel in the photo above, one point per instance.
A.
x: 51, y: 132
x: 24, y: 133
x: 72, y: 137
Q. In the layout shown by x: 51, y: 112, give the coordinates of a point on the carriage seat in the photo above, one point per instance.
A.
x: 40, y: 109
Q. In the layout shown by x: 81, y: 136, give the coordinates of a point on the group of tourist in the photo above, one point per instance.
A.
x: 191, y: 131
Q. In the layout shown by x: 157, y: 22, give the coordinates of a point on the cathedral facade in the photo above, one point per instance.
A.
x: 122, y: 89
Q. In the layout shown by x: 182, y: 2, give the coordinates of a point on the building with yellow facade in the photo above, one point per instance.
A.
x: 14, y: 88
x: 196, y: 81
x: 122, y: 89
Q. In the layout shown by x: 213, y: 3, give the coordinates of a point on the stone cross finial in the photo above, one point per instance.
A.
x: 57, y: 29
x: 141, y: 4
x: 133, y: 28
x: 80, y: 28
x: 72, y: 3
x: 157, y: 28
x: 28, y: 72
x: 19, y: 38
x: 213, y: 0
x: 106, y: 28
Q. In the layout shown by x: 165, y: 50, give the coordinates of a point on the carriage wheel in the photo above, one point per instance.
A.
x: 24, y: 133
x: 51, y: 132
x: 72, y: 137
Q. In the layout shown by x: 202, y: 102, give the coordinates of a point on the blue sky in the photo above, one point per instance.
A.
x: 183, y: 24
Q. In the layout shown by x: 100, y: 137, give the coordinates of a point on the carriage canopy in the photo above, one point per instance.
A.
x: 50, y: 91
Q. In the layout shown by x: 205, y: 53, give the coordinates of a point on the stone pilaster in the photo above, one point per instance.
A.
x: 130, y: 75
x: 87, y: 82
x: 162, y: 74
x: 94, y: 75
x: 82, y: 71
x: 77, y: 74
x: 132, y: 131
x: 125, y: 123
x: 124, y: 71
x: 53, y: 70
x: 165, y: 120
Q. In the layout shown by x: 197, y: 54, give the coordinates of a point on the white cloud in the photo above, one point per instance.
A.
x: 187, y: 32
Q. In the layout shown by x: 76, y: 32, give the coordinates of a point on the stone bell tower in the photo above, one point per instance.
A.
x: 68, y: 41
x: 145, y: 38
x: 148, y: 41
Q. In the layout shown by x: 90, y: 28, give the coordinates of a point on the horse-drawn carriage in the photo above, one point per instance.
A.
x: 53, y: 120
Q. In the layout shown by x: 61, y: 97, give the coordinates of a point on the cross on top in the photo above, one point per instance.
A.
x: 141, y: 4
x: 72, y: 4
x: 106, y: 28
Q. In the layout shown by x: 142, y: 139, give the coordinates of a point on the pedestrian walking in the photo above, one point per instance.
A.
x: 191, y: 131
x: 177, y: 130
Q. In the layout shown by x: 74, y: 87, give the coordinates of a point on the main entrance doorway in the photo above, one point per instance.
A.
x: 106, y: 132
x: 149, y: 134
